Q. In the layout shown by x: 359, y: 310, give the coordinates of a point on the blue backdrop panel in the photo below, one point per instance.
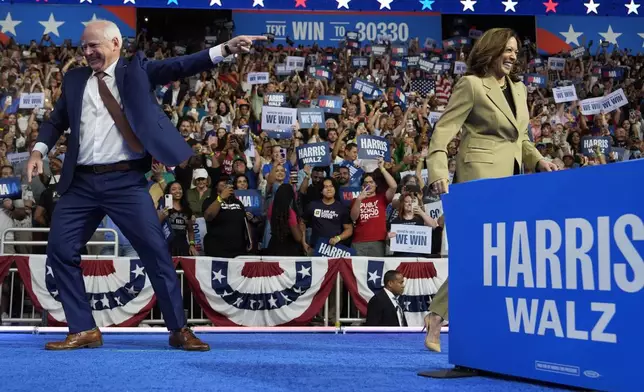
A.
x: 565, y: 306
x: 562, y: 33
x: 329, y: 28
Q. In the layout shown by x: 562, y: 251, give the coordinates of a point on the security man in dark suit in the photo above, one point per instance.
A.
x: 383, y: 309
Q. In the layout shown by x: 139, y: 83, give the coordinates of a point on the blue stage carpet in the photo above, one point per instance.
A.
x: 237, y: 362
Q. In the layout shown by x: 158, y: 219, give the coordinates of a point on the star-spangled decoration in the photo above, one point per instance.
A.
x: 225, y: 293
x: 252, y: 303
x: 93, y: 303
x: 286, y: 298
x: 258, y: 3
x: 51, y: 25
x: 571, y: 36
x: 238, y: 301
x: 510, y: 5
x: 343, y: 3
x: 213, y: 2
x: 218, y: 276
x: 260, y: 304
x: 610, y: 35
x: 304, y: 271
x: 300, y: 3
x: 105, y: 301
x: 91, y: 20
x: 632, y: 7
x: 118, y: 301
x: 89, y: 1
x: 272, y: 302
x: 427, y: 4
x: 468, y: 5
x: 131, y: 291
x: 591, y: 7
x: 175, y: 2
x: 9, y: 26
x: 54, y: 293
x: 642, y: 37
x: 373, y: 276
x: 138, y: 271
x: 129, y: 1
x: 49, y: 270
x: 406, y: 304
x: 551, y: 6
x: 297, y: 290
x: 385, y: 4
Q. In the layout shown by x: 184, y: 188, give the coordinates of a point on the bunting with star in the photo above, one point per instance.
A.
x: 118, y: 290
x: 272, y: 292
x: 363, y: 277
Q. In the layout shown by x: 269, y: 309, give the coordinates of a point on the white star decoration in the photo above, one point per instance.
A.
x: 218, y: 275
x: 297, y: 290
x: 385, y: 4
x: 105, y: 301
x: 54, y: 293
x: 213, y: 2
x: 373, y: 276
x: 272, y: 302
x: 468, y: 5
x: 571, y: 36
x: 51, y: 25
x: 256, y: 3
x: 286, y: 298
x: 632, y: 7
x: 225, y: 293
x: 129, y: 1
x: 131, y: 291
x: 641, y: 36
x: 118, y: 301
x: 9, y: 26
x: 93, y: 19
x: 343, y: 3
x: 509, y: 5
x: 610, y: 35
x: 93, y: 303
x: 238, y: 301
x: 49, y: 270
x: 138, y: 271
x: 252, y: 303
x: 591, y: 7
x: 406, y: 304
x: 304, y: 271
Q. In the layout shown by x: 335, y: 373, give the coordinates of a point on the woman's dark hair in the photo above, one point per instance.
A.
x: 335, y: 186
x: 282, y: 204
x: 185, y: 207
x: 490, y: 47
x: 237, y: 178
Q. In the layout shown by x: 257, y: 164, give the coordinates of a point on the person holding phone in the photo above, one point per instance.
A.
x: 368, y: 212
x: 411, y: 212
x: 489, y: 106
x: 175, y: 209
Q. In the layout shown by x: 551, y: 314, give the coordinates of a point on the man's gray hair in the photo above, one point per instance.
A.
x: 110, y: 29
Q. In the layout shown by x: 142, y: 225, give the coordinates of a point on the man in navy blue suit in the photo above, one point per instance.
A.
x: 116, y: 128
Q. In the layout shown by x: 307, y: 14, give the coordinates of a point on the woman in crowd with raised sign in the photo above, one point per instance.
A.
x: 411, y: 212
x: 489, y: 105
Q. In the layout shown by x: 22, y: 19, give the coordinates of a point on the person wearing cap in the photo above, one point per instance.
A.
x: 202, y: 190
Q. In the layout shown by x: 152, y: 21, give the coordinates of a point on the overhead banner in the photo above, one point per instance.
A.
x: 329, y: 29
x: 562, y: 283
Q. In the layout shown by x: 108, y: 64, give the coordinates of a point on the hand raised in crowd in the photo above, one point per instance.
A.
x: 227, y: 192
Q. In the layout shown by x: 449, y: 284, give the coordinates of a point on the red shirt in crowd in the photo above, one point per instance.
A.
x: 371, y: 225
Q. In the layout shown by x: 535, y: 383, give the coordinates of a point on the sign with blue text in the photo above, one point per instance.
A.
x: 325, y: 29
x: 562, y: 283
x: 373, y: 147
x: 251, y: 199
x: 323, y: 248
x: 10, y: 188
x: 330, y: 103
x: 310, y: 116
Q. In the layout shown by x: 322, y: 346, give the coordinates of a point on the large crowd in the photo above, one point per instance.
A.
x: 290, y: 210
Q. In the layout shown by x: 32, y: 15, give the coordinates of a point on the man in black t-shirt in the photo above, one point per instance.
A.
x: 227, y: 230
x: 328, y: 218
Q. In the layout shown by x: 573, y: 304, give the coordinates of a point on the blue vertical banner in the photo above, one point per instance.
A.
x: 562, y: 284
x: 330, y: 28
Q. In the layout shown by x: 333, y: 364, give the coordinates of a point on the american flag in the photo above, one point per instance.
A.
x: 424, y: 87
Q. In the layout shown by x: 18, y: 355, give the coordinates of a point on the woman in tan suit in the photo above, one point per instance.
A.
x: 489, y: 105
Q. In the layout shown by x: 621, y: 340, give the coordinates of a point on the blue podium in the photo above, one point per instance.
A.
x: 546, y: 276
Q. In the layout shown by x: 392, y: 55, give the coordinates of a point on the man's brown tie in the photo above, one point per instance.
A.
x: 117, y: 114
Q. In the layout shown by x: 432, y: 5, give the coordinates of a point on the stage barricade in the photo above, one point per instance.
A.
x: 247, y: 291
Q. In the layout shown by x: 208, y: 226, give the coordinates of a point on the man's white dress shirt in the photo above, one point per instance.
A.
x: 399, y: 311
x: 100, y: 141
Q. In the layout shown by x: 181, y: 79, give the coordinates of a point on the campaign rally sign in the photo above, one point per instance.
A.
x: 323, y: 248
x: 258, y: 77
x: 536, y: 79
x: 425, y: 65
x: 32, y: 100
x: 280, y: 70
x: 322, y: 73
x: 277, y: 99
x: 400, y: 97
x: 309, y: 116
x: 556, y: 63
x: 399, y: 63
x: 564, y: 94
x: 10, y: 188
x: 373, y: 147
x: 251, y: 199
x: 411, y: 239
x: 348, y: 193
x: 278, y: 118
x: 314, y: 154
x: 590, y: 143
x: 434, y: 210
x: 354, y: 171
x: 562, y: 282
x: 295, y: 63
x: 613, y: 73
x: 359, y: 61
x: 578, y: 52
x: 605, y: 104
x: 330, y: 104
x: 412, y: 61
x: 459, y: 67
x: 378, y: 50
x: 433, y: 117
x: 370, y: 91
